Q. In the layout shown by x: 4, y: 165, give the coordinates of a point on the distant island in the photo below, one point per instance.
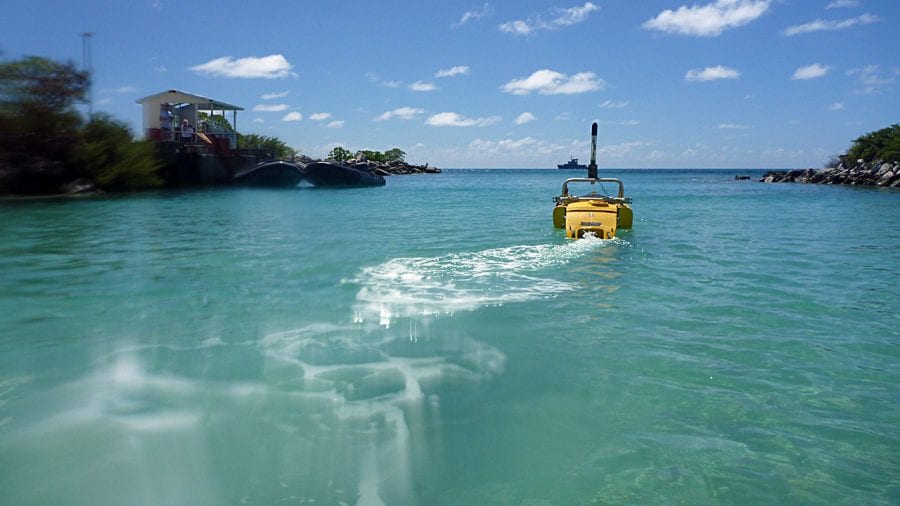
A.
x: 872, y: 160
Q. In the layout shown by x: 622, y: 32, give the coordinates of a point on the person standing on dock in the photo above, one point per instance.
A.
x: 165, y: 121
x: 187, y: 133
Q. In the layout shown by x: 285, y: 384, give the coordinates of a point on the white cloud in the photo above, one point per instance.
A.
x: 292, y: 116
x: 871, y: 81
x: 270, y: 107
x: 612, y: 104
x: 454, y: 71
x: 270, y: 96
x: 401, y: 112
x: 475, y: 15
x: 810, y: 72
x: 319, y: 116
x: 837, y: 106
x: 422, y: 86
x: 708, y: 20
x: 335, y: 124
x: 573, y: 15
x: 454, y: 119
x: 732, y: 126
x: 617, y: 151
x: 711, y: 74
x: 561, y: 18
x: 516, y: 27
x: 550, y: 82
x: 830, y: 24
x: 525, y: 117
x: 267, y: 67
x: 258, y: 120
x: 125, y: 90
x: 842, y: 3
x: 373, y: 78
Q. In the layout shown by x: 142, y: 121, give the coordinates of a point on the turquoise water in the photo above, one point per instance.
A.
x: 436, y: 341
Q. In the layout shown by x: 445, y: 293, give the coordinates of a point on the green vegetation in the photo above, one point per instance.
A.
x: 116, y: 162
x: 44, y: 143
x: 272, y: 145
x: 341, y: 154
x: 881, y: 145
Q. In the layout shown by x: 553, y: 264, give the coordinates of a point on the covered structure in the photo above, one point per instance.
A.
x: 184, y: 106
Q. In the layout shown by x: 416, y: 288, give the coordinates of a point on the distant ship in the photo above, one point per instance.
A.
x: 572, y: 164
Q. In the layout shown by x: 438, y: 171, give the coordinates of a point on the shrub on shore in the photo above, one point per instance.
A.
x: 881, y: 145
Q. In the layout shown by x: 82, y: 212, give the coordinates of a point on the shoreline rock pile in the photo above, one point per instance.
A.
x: 395, y: 168
x: 877, y: 173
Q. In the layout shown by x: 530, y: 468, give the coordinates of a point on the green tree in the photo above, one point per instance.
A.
x: 375, y: 156
x: 114, y: 160
x: 394, y: 155
x: 216, y: 121
x: 882, y: 145
x: 39, y: 126
x: 339, y: 154
x: 272, y: 145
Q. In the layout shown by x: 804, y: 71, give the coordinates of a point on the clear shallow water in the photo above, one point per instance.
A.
x: 435, y: 341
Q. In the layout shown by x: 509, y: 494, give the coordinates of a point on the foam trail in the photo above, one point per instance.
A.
x: 425, y: 286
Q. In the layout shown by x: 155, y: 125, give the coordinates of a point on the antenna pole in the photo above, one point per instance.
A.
x: 88, y: 67
x: 592, y: 168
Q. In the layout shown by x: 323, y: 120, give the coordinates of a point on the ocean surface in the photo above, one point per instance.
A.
x: 436, y: 341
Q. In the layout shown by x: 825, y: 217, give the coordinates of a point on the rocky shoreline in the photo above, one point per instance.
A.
x: 396, y: 168
x: 877, y: 173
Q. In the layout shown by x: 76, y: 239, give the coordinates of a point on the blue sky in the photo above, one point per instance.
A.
x: 672, y: 83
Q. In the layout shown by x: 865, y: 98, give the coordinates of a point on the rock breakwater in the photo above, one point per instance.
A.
x: 380, y: 168
x: 877, y: 173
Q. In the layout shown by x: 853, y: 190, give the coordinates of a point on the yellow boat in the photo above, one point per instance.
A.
x: 593, y: 213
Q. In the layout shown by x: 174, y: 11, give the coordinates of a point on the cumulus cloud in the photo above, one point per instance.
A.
x: 454, y: 71
x: 612, y: 104
x: 401, y: 113
x: 708, y: 20
x: 271, y: 96
x: 319, y: 116
x: 475, y: 14
x: 837, y: 106
x: 270, y: 107
x: 711, y: 74
x: 525, y: 117
x: 456, y: 120
x: 810, y: 72
x: 267, y: 67
x: 422, y: 86
x: 831, y: 24
x: 559, y: 18
x: 292, y: 116
x: 335, y: 124
x: 550, y: 82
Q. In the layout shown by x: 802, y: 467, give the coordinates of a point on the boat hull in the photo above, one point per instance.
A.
x: 278, y: 174
x: 324, y: 174
x: 597, y: 217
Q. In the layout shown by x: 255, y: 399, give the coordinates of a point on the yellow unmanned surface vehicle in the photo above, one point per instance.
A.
x: 594, y: 213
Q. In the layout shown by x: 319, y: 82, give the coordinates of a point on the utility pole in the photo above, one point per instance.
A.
x: 88, y: 67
